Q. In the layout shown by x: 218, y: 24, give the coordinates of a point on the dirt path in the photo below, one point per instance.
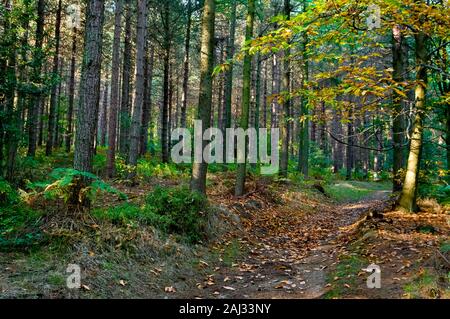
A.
x: 289, y: 264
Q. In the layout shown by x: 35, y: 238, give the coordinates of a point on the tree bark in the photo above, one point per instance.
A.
x: 69, y: 131
x: 136, y: 125
x: 187, y: 48
x: 89, y: 93
x: 126, y: 85
x: 285, y: 114
x: 246, y: 95
x: 200, y: 170
x: 33, y: 113
x: 408, y: 199
x: 229, y: 73
x: 399, y: 57
x: 114, y: 101
x: 54, y: 97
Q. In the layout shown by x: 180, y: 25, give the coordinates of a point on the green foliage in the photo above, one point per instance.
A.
x: 123, y: 214
x: 172, y: 210
x: 62, y: 180
x: 19, y: 226
x: 178, y: 210
x: 8, y: 196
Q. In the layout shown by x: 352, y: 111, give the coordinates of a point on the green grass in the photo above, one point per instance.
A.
x: 346, y: 272
x: 352, y: 191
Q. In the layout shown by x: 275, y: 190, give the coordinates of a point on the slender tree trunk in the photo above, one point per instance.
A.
x: 303, y: 162
x: 69, y: 131
x: 408, y: 199
x: 89, y: 95
x: 114, y: 102
x: 187, y: 48
x: 229, y: 74
x: 285, y: 133
x: 136, y: 125
x: 200, y: 169
x: 33, y: 114
x: 166, y: 86
x: 54, y: 97
x: 126, y: 85
x: 398, y: 127
x: 146, y: 114
x: 246, y: 92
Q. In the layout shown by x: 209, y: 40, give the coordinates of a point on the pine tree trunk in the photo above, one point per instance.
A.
x: 147, y: 112
x: 229, y: 74
x: 166, y: 86
x: 89, y: 95
x: 54, y: 97
x: 284, y: 122
x: 126, y: 85
x: 187, y: 48
x: 246, y: 96
x: 200, y: 170
x: 69, y: 131
x: 136, y: 125
x: 114, y: 102
x: 33, y: 113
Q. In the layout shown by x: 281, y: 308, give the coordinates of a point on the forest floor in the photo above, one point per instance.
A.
x: 279, y: 241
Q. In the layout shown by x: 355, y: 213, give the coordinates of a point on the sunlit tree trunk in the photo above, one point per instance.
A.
x: 398, y: 126
x: 200, y: 170
x: 408, y: 199
x: 69, y: 130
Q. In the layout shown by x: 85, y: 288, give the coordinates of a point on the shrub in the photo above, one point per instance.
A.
x: 8, y: 195
x: 177, y: 210
x: 19, y: 227
x: 122, y: 214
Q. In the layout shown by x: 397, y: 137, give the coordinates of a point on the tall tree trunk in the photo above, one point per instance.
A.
x: 33, y: 114
x: 399, y: 57
x: 303, y: 157
x: 284, y: 122
x: 166, y: 85
x: 136, y: 125
x: 89, y: 95
x: 200, y: 169
x: 69, y: 131
x: 147, y: 112
x: 246, y: 92
x: 126, y: 85
x: 187, y: 48
x: 54, y: 97
x: 114, y: 102
x: 229, y: 73
x: 408, y: 198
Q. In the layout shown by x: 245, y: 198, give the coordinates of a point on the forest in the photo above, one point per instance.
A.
x: 216, y: 149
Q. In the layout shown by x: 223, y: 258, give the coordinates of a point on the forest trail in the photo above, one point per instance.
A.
x: 292, y: 260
